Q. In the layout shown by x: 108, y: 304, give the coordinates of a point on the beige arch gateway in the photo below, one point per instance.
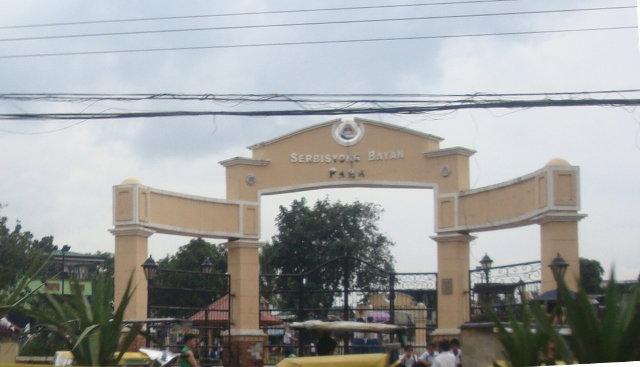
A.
x: 345, y: 153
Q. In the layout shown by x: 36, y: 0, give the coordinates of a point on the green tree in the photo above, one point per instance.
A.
x: 173, y: 287
x: 310, y: 237
x: 19, y: 251
x: 591, y: 275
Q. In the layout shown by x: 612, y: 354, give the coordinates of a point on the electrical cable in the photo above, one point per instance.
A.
x: 253, y: 13
x: 266, y: 97
x: 331, y: 22
x: 539, y: 103
x: 320, y: 42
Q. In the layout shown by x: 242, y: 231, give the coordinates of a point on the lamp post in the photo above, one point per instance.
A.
x: 486, y: 266
x: 64, y: 251
x: 150, y: 268
x: 558, y: 268
x: 206, y: 266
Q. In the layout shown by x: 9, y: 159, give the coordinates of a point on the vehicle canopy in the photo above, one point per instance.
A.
x: 352, y: 360
x: 347, y: 326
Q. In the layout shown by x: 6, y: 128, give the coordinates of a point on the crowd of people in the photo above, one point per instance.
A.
x: 448, y: 354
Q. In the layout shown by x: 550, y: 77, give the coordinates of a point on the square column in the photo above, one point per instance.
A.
x: 453, y: 282
x: 245, y: 337
x: 559, y: 235
x: 130, y: 253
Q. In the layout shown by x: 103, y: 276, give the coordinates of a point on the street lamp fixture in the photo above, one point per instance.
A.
x: 206, y: 266
x: 150, y: 268
x: 64, y: 251
x: 558, y: 268
x: 486, y: 263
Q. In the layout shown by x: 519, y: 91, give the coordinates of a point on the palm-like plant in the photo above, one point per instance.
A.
x: 525, y: 342
x: 12, y: 297
x: 90, y: 329
x: 610, y: 336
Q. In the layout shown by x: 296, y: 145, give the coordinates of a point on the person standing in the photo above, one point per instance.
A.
x: 290, y: 342
x: 445, y: 358
x: 326, y: 344
x: 457, y: 352
x: 408, y: 358
x: 426, y: 359
x: 187, y: 357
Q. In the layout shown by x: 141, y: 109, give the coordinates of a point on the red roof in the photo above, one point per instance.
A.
x: 218, y: 313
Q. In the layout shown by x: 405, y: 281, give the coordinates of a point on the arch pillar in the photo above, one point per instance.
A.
x: 130, y: 252
x: 453, y: 282
x: 245, y: 338
x: 559, y: 235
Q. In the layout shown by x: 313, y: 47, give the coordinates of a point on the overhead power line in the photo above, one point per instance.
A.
x: 537, y: 103
x: 330, y: 22
x: 292, y: 97
x: 196, y: 16
x: 319, y: 42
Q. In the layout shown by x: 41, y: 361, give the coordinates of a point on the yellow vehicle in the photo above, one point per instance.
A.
x: 396, y: 337
x: 145, y: 357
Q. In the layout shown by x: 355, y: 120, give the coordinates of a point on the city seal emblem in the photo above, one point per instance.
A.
x: 347, y: 131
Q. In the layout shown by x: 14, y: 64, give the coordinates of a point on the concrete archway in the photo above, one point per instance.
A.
x: 350, y: 153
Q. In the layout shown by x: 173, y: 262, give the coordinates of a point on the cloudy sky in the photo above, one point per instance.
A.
x: 59, y: 183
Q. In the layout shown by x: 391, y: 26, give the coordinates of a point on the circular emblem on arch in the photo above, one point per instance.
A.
x: 347, y: 131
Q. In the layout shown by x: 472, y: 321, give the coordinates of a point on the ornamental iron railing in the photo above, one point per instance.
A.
x: 502, y: 288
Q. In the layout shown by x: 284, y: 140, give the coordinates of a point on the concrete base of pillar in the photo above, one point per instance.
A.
x: 442, y: 334
x: 245, y: 348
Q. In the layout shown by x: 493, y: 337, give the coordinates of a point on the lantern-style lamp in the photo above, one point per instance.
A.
x: 150, y: 268
x: 206, y: 266
x: 558, y: 268
x: 486, y: 263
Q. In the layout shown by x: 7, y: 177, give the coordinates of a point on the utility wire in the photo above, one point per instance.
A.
x: 538, y: 103
x: 254, y: 13
x: 320, y: 42
x: 330, y: 22
x: 290, y: 97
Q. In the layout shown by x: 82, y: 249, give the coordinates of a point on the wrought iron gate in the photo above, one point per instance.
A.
x: 345, y: 288
x: 181, y: 302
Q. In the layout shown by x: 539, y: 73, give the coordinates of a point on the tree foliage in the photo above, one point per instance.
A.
x: 19, y: 250
x: 591, y: 275
x: 310, y: 238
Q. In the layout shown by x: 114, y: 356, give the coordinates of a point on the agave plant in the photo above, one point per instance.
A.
x: 610, y: 336
x: 526, y: 342
x: 91, y: 330
x: 13, y: 297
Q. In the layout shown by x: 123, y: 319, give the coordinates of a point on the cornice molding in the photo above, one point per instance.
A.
x: 450, y: 151
x: 244, y: 244
x: 453, y: 237
x: 132, y: 231
x: 244, y: 161
x: 558, y: 217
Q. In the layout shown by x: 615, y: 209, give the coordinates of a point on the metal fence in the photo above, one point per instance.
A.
x: 501, y: 289
x: 189, y: 302
x: 345, y: 288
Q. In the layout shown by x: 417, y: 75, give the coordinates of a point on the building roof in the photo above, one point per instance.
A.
x: 218, y: 313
